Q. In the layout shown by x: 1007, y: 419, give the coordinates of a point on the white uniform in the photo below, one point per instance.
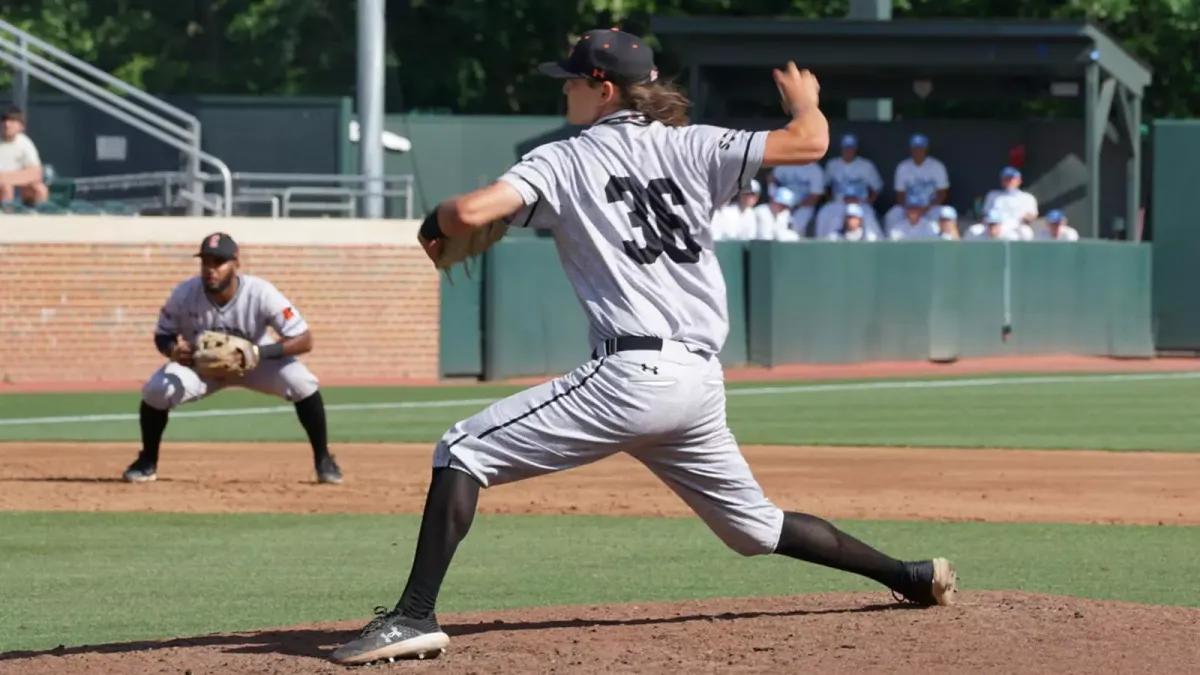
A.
x: 925, y: 228
x: 923, y: 180
x: 804, y: 181
x: 255, y: 306
x: 1012, y: 206
x: 774, y: 226
x: 860, y: 171
x: 833, y: 214
x: 1021, y: 232
x: 733, y: 223
x: 629, y: 202
x: 1065, y: 233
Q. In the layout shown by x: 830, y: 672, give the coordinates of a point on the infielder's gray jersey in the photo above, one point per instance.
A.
x: 632, y: 202
x: 255, y: 306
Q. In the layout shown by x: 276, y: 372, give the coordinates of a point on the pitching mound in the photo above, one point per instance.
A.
x: 994, y: 632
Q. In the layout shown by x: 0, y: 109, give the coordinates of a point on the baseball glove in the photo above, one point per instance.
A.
x: 455, y: 250
x: 220, y: 356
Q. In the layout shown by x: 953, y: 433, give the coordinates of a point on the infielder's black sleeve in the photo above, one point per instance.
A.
x: 164, y: 343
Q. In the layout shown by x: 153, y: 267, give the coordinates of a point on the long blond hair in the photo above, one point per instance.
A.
x: 660, y: 101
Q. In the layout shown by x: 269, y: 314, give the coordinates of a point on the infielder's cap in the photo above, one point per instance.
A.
x: 993, y: 217
x: 918, y: 141
x: 1055, y: 216
x: 916, y: 201
x: 786, y: 197
x: 218, y: 245
x: 612, y: 55
x: 755, y: 188
x: 947, y: 213
x: 1010, y: 172
x: 849, y: 141
x: 854, y: 211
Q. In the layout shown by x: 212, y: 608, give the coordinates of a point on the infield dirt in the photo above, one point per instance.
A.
x: 987, y: 632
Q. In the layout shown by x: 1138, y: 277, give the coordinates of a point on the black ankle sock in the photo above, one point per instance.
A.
x: 153, y: 422
x: 311, y: 412
x: 449, y: 510
x: 814, y: 540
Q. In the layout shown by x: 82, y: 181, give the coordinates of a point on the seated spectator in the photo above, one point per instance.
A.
x: 1016, y: 206
x: 921, y: 175
x: 807, y: 182
x: 775, y: 217
x: 947, y: 223
x: 737, y: 220
x: 20, y: 165
x: 993, y: 227
x: 831, y: 216
x: 850, y: 168
x: 1057, y: 228
x: 854, y: 226
x: 917, y: 223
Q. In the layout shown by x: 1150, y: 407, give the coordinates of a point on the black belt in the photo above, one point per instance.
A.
x: 630, y: 343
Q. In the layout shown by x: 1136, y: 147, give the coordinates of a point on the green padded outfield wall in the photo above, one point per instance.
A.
x: 533, y: 324
x: 832, y: 302
x: 1176, y: 152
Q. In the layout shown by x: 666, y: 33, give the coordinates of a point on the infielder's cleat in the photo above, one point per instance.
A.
x: 141, y: 471
x: 391, y: 635
x: 930, y: 582
x: 328, y: 471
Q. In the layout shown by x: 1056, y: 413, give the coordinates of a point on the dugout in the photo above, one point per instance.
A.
x: 725, y: 61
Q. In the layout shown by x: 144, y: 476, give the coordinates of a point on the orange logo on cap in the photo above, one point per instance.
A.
x: 212, y: 241
x: 596, y: 72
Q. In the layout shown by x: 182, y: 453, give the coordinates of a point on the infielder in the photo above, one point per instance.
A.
x: 221, y: 302
x: 629, y: 201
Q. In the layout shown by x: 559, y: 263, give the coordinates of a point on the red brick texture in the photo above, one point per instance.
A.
x: 72, y: 313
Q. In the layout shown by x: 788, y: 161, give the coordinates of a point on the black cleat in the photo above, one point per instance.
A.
x: 141, y: 471
x: 929, y: 583
x: 328, y: 471
x: 390, y: 636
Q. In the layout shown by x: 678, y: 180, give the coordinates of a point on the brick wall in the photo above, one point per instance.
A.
x: 79, y: 312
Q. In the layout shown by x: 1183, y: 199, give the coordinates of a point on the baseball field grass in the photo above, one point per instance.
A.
x: 71, y: 578
x: 1127, y: 412
x: 91, y: 578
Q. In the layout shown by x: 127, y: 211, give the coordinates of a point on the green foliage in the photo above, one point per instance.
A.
x: 478, y: 57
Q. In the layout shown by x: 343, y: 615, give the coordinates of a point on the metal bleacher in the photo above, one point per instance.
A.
x: 206, y: 187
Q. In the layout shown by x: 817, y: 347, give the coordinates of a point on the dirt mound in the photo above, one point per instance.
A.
x: 993, y: 632
x: 880, y: 483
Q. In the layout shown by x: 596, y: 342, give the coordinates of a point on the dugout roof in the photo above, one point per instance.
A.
x: 882, y: 58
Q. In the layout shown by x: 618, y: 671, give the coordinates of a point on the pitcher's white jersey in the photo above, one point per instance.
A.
x: 256, y: 305
x: 630, y: 202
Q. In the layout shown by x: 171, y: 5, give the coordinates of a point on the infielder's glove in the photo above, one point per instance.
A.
x: 455, y: 250
x: 220, y: 356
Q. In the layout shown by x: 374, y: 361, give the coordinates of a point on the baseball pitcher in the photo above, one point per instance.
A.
x: 213, y: 331
x: 629, y: 202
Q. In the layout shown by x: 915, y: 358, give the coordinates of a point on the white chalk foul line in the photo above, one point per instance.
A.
x: 746, y: 391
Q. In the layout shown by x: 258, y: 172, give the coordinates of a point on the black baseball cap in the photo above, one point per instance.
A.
x: 606, y: 55
x: 218, y: 245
